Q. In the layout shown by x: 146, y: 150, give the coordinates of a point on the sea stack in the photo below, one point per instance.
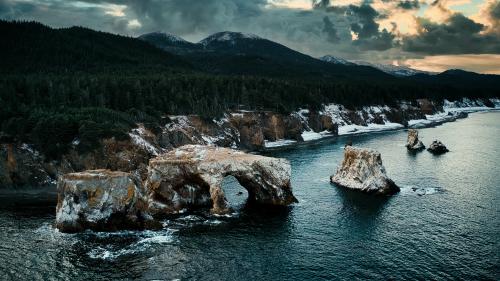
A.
x: 362, y: 170
x: 437, y: 147
x: 101, y: 200
x: 413, y: 143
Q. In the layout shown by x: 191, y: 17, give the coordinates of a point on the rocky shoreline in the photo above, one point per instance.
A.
x: 22, y: 165
x: 183, y: 179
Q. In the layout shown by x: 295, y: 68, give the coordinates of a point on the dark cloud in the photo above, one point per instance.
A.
x: 409, y: 4
x: 458, y: 35
x: 12, y: 11
x: 366, y: 26
x: 330, y: 31
x: 194, y: 15
x: 367, y: 29
x: 325, y: 29
x: 495, y: 10
x: 384, y: 40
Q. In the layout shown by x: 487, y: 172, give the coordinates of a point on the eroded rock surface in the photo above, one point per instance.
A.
x: 437, y: 147
x: 191, y: 176
x: 413, y: 143
x: 21, y: 165
x: 362, y: 170
x: 101, y: 200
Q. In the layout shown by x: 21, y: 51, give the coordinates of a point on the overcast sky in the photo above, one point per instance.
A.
x: 426, y: 34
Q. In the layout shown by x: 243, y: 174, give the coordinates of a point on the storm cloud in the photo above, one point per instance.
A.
x: 409, y: 4
x: 330, y: 30
x: 353, y: 29
x: 457, y: 35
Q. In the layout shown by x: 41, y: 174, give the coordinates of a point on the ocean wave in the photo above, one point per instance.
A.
x: 145, y: 240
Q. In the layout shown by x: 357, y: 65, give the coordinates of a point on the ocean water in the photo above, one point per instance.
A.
x: 444, y: 224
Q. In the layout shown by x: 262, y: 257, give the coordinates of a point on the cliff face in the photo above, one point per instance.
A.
x: 101, y: 200
x: 21, y: 164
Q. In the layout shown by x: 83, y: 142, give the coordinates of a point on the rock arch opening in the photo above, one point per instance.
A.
x: 235, y: 193
x: 193, y: 176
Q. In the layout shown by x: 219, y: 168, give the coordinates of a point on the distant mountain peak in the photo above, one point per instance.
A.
x: 227, y: 36
x: 164, y: 36
x: 335, y: 60
x: 396, y: 70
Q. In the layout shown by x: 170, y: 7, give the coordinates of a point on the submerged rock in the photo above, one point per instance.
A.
x: 362, y: 170
x: 101, y: 200
x: 437, y: 147
x: 413, y: 143
x: 191, y: 176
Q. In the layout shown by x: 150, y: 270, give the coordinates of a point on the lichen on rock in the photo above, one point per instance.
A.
x: 362, y: 170
x: 413, y: 143
x: 101, y: 200
x: 191, y: 177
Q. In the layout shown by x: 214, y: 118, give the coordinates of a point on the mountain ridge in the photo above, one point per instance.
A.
x: 248, y: 54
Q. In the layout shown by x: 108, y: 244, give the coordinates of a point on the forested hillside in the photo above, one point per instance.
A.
x: 36, y: 48
x: 60, y: 84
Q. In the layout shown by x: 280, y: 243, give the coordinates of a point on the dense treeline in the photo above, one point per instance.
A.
x: 58, y: 86
x: 34, y: 47
x: 53, y: 110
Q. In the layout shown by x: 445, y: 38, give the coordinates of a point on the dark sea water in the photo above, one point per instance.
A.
x: 444, y: 224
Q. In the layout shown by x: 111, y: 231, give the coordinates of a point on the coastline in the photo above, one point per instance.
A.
x: 449, y: 114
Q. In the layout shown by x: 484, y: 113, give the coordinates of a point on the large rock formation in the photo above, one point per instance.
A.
x: 101, y: 200
x: 362, y: 170
x: 191, y: 177
x: 21, y: 165
x: 437, y: 147
x: 413, y: 143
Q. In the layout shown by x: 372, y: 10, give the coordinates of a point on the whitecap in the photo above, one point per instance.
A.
x: 213, y: 222
x: 191, y: 218
x: 146, y: 239
x: 420, y: 191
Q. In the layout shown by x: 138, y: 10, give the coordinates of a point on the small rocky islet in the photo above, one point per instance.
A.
x: 413, y: 143
x: 362, y: 170
x: 437, y: 148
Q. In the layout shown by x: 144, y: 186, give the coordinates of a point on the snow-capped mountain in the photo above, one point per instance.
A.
x: 165, y: 36
x: 227, y: 37
x: 248, y: 54
x: 335, y: 60
x: 169, y: 42
x: 396, y: 70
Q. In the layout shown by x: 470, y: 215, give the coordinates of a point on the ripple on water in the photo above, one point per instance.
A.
x: 420, y: 191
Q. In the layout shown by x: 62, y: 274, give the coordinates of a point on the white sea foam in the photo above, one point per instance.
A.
x: 420, y: 191
x: 145, y: 240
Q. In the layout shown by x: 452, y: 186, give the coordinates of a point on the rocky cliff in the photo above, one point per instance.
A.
x: 101, y: 200
x: 21, y: 164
